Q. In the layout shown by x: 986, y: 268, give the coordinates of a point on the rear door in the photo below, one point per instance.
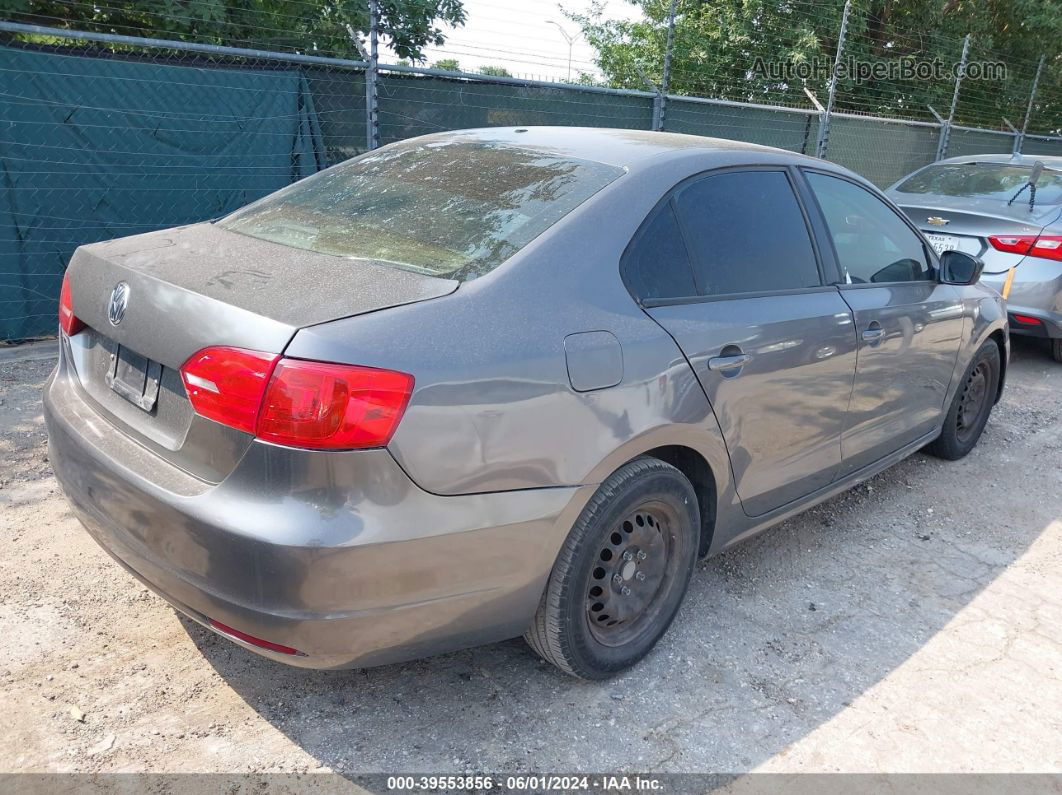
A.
x: 728, y: 266
x: 909, y: 325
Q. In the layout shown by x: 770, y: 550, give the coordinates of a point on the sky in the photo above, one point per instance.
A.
x: 517, y: 34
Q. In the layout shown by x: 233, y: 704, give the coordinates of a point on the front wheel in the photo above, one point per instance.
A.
x: 971, y: 405
x: 622, y: 573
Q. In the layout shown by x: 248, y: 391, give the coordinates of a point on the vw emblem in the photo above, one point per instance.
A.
x: 119, y: 301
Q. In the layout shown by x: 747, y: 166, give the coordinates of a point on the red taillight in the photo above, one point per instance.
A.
x: 1044, y: 246
x: 262, y: 644
x: 1047, y: 247
x: 68, y: 321
x: 227, y: 384
x: 295, y: 402
x: 1027, y: 320
x: 333, y: 406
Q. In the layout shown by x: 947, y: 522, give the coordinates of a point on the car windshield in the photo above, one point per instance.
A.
x: 456, y: 208
x: 992, y: 181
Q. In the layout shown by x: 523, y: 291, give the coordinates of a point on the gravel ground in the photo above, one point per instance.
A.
x: 912, y: 624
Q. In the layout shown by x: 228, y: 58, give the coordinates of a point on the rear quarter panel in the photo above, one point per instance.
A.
x: 493, y: 407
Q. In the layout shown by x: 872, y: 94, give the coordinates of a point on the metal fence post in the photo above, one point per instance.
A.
x: 945, y: 128
x: 1019, y: 139
x: 941, y: 123
x: 372, y: 74
x: 824, y: 125
x: 807, y: 124
x: 1016, y: 133
x: 661, y: 109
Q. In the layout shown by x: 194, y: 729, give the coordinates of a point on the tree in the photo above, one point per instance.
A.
x: 717, y: 44
x: 323, y: 26
x: 495, y: 71
x: 447, y: 65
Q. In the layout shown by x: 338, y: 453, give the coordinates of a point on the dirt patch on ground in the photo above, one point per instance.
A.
x: 911, y: 624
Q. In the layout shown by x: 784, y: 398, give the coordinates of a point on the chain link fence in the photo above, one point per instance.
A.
x: 105, y: 135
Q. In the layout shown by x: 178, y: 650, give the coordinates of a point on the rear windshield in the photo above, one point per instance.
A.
x: 456, y: 208
x: 994, y: 181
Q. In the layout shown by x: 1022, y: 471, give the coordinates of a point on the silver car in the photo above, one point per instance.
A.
x: 1007, y: 210
x: 499, y: 382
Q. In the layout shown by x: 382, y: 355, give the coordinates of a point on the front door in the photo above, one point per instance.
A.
x: 909, y: 326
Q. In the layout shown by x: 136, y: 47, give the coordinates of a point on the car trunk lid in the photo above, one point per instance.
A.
x: 196, y: 287
x: 966, y: 223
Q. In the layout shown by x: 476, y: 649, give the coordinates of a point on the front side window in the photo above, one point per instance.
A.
x: 455, y: 208
x: 746, y: 234
x: 873, y: 243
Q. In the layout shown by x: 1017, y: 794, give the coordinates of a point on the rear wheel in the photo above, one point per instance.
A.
x: 1056, y: 349
x: 621, y: 574
x: 971, y: 406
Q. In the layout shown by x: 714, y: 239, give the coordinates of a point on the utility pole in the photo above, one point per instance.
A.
x: 571, y: 42
x: 372, y: 97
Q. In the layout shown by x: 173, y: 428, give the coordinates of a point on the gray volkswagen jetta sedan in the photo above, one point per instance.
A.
x: 502, y: 382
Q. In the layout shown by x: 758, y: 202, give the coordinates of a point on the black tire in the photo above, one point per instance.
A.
x: 971, y: 405
x: 641, y: 526
x: 1056, y: 349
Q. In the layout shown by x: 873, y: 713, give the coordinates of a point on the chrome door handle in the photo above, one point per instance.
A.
x: 729, y: 362
x: 873, y: 334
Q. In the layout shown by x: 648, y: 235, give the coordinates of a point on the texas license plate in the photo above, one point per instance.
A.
x: 942, y: 243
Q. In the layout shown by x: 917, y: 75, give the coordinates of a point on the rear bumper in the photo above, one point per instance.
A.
x: 338, y: 555
x: 1035, y: 292
x: 1033, y: 322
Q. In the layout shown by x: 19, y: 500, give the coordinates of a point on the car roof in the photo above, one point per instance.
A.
x: 1051, y: 161
x: 624, y: 148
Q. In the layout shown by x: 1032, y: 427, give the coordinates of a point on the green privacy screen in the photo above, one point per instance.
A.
x: 94, y: 148
x: 792, y: 130
x: 96, y: 144
x: 880, y: 151
x: 1036, y: 145
x: 415, y: 105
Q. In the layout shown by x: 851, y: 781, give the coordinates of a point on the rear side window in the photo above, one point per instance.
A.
x: 656, y: 264
x: 746, y: 233
x: 874, y: 245
x: 456, y: 208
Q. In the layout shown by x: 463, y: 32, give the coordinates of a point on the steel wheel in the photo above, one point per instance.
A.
x: 972, y: 402
x: 970, y: 406
x: 632, y: 572
x: 620, y: 576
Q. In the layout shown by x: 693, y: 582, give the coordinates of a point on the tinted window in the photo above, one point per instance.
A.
x: 746, y: 234
x: 457, y: 207
x: 992, y: 181
x: 656, y: 264
x: 873, y: 244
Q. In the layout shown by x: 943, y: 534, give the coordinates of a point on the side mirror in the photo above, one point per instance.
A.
x: 957, y: 267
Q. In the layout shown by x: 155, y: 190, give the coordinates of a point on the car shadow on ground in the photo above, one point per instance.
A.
x: 776, y: 637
